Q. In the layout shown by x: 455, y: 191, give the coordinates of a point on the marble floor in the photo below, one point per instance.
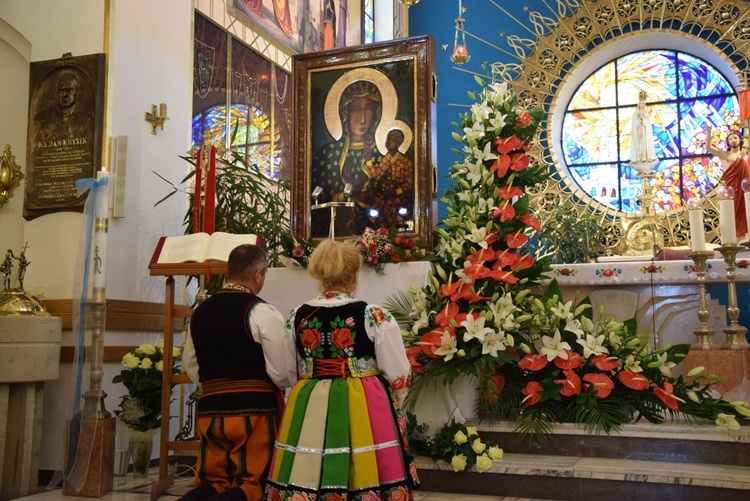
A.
x: 127, y: 488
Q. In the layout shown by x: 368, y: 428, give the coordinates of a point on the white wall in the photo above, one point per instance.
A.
x: 149, y: 54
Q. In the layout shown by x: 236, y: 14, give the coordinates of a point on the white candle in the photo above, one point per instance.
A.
x: 726, y: 222
x: 747, y: 213
x: 101, y: 223
x: 697, y: 233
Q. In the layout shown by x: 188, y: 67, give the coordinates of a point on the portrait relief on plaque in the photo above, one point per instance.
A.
x: 65, y: 132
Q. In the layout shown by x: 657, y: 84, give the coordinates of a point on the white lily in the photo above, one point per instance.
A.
x: 554, y: 347
x: 493, y: 342
x: 727, y: 420
x: 592, y: 345
x: 475, y: 328
x: 447, y: 347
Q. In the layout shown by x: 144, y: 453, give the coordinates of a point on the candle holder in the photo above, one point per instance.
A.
x: 704, y: 335
x: 93, y: 398
x: 735, y: 332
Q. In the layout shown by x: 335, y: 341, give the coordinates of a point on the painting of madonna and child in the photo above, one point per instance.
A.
x: 366, y: 142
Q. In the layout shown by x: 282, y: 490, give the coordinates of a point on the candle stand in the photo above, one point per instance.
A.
x: 704, y: 335
x: 735, y: 332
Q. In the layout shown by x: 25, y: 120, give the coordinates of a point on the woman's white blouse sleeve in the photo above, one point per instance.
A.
x: 383, y: 330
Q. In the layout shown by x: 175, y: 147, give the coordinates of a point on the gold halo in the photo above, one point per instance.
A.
x: 382, y: 133
x: 387, y: 94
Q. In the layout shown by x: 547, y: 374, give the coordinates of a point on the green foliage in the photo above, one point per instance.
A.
x: 567, y: 236
x: 247, y: 202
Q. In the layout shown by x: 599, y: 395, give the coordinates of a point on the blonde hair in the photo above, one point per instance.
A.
x: 334, y: 264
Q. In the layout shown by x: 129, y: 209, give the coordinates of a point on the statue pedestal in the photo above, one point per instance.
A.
x: 98, y: 444
x: 29, y: 355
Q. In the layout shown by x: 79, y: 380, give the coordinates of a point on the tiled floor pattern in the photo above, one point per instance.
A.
x: 128, y: 489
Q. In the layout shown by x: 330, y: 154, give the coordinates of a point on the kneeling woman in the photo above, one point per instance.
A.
x: 343, y: 435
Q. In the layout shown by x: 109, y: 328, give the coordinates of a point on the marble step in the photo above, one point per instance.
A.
x: 641, y: 461
x: 677, y: 442
x: 581, y: 478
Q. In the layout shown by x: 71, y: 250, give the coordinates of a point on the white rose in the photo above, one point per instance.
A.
x: 146, y: 349
x: 460, y: 438
x: 472, y: 430
x: 130, y: 361
x: 159, y: 366
x: 176, y: 353
x: 458, y: 462
x: 478, y: 447
x: 146, y: 363
x: 484, y: 463
x: 495, y: 453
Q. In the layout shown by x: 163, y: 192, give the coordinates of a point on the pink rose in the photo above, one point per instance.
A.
x: 298, y: 251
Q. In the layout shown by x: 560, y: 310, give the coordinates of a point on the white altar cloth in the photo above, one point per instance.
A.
x: 645, y: 272
x: 287, y: 288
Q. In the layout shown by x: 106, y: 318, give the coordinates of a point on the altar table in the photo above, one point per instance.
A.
x: 287, y: 288
x: 661, y: 295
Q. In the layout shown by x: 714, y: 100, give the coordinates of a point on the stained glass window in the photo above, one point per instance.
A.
x: 683, y: 95
x: 369, y: 21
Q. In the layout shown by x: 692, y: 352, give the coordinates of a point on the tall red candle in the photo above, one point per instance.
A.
x: 197, y: 192
x: 209, y: 211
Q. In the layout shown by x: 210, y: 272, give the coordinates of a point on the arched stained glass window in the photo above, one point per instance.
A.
x: 683, y: 95
x: 250, y: 134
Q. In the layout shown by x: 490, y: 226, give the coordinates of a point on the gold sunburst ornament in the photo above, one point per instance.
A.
x: 10, y: 175
x: 408, y: 3
x: 460, y: 53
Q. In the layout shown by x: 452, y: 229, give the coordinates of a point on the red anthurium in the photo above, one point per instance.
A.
x: 508, y: 192
x: 481, y: 256
x: 602, y: 384
x: 519, y: 162
x: 574, y: 361
x: 447, y: 314
x: 411, y: 354
x: 667, y: 396
x: 532, y: 392
x: 505, y: 212
x: 533, y: 362
x: 516, y: 240
x: 506, y: 144
x: 531, y: 221
x: 524, y: 118
x: 522, y: 262
x: 571, y: 385
x: 430, y: 342
x: 477, y: 271
x: 448, y: 290
x: 633, y: 380
x: 500, y: 165
x: 512, y: 352
x: 493, y: 237
x: 496, y: 385
x: 605, y: 363
x: 504, y: 276
x: 504, y: 259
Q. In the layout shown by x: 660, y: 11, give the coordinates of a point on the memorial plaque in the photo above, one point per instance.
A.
x: 65, y: 132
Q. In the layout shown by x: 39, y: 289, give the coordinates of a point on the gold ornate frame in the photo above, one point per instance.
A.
x: 584, y: 27
x: 399, y: 68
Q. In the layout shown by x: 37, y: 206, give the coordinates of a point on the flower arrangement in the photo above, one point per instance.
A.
x: 386, y: 245
x: 537, y: 360
x: 378, y: 247
x: 456, y: 443
x: 296, y: 252
x: 140, y: 408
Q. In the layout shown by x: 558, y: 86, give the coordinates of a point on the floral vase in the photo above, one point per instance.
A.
x: 140, y: 447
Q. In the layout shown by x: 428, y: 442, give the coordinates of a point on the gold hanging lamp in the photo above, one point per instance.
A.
x: 460, y: 53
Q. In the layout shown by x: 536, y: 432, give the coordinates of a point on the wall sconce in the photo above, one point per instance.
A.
x: 157, y: 117
x: 10, y: 175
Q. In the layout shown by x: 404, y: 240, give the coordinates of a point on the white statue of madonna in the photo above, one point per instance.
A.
x: 642, y: 151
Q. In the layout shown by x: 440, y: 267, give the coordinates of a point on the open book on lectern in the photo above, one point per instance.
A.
x: 200, y: 247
